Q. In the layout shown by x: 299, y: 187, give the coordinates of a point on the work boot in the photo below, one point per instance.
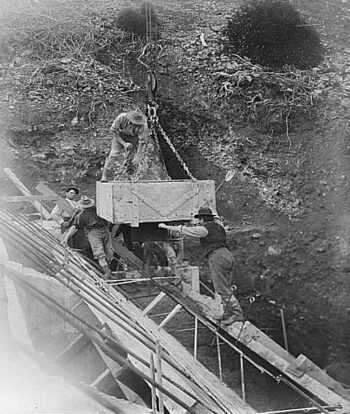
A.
x: 106, y: 271
x: 105, y: 172
x: 108, y: 167
x: 232, y: 310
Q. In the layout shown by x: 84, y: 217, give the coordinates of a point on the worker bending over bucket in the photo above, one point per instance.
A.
x: 212, y: 237
x: 97, y: 230
x: 128, y: 130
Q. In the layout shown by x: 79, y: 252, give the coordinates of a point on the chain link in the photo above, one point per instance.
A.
x: 154, y: 121
x: 171, y: 146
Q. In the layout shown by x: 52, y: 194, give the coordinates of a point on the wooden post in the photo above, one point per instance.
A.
x: 195, y: 337
x: 284, y: 330
x: 153, y: 389
x: 159, y: 376
x: 241, y: 361
x: 219, y: 356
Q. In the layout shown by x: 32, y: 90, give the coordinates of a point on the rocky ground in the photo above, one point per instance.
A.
x: 287, y: 206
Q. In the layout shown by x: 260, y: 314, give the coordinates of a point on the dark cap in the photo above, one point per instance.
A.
x: 204, y: 212
x: 72, y: 188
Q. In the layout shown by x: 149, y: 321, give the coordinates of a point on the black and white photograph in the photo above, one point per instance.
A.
x: 174, y: 207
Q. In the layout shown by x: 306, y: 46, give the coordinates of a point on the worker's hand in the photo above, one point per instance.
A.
x: 64, y: 242
x: 162, y: 226
x: 127, y: 145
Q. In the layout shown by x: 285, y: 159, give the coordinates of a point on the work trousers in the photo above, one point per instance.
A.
x: 221, y: 264
x: 101, y: 244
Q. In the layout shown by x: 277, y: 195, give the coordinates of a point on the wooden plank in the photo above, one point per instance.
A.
x: 128, y: 255
x: 260, y: 345
x: 154, y: 302
x: 135, y: 207
x: 170, y: 316
x: 305, y: 365
x: 24, y: 199
x: 100, y: 378
x: 42, y: 210
x: 44, y: 189
x: 72, y: 349
x: 203, y: 384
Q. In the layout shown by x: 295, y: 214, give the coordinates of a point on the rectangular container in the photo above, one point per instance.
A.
x: 153, y: 201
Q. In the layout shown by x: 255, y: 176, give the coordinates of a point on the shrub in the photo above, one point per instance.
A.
x: 134, y: 21
x: 272, y: 33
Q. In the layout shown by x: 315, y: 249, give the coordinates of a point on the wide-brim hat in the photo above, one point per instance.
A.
x: 86, y: 202
x: 72, y: 188
x: 204, y: 212
x: 136, y: 117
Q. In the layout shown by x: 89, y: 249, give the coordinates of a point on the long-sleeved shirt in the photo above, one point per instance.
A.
x: 193, y: 231
x: 88, y: 219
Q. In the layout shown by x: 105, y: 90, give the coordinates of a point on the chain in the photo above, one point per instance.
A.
x: 171, y: 146
x: 152, y: 116
x: 152, y: 87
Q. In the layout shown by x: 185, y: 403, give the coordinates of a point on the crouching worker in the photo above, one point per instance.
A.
x: 129, y: 130
x: 212, y: 238
x: 97, y: 231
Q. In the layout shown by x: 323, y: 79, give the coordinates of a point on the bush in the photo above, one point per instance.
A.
x: 134, y: 21
x: 272, y: 33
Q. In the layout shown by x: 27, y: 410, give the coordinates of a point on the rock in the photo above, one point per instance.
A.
x: 274, y: 251
x: 27, y: 52
x: 32, y: 95
x: 345, y: 102
x: 66, y: 60
x: 74, y: 121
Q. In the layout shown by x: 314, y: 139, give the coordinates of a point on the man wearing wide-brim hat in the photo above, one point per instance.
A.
x: 97, y: 231
x: 212, y: 238
x: 129, y: 130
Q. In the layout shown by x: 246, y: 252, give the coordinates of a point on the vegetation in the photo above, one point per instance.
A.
x: 272, y: 33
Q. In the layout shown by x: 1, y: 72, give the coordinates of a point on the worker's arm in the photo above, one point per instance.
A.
x: 116, y: 135
x: 68, y: 234
x: 143, y: 137
x: 195, y: 231
x: 56, y: 214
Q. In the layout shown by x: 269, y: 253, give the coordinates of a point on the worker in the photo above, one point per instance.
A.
x: 129, y: 130
x: 63, y: 212
x: 174, y: 250
x: 97, y: 230
x: 212, y: 237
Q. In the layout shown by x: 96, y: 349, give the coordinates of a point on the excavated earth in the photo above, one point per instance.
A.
x: 286, y: 209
